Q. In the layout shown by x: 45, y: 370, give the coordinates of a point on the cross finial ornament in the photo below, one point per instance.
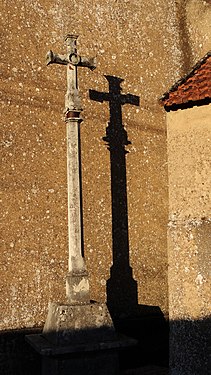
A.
x: 77, y: 285
x: 72, y: 60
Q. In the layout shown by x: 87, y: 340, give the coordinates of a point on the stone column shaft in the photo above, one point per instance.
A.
x: 77, y: 284
x: 76, y: 261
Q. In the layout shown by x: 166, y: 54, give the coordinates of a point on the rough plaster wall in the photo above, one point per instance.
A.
x: 199, y: 21
x: 189, y: 239
x: 137, y: 41
x: 184, y: 39
x: 189, y: 162
x: 194, y: 19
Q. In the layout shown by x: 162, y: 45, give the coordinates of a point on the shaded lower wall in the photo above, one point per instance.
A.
x: 150, y: 329
x: 190, y: 347
x: 18, y: 358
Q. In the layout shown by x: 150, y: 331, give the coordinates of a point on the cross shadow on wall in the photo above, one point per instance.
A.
x: 121, y: 287
x: 145, y: 323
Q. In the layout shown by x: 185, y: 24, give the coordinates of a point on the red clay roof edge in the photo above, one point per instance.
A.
x: 183, y: 79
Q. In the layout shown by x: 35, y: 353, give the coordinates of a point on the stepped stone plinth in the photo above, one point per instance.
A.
x: 79, y: 340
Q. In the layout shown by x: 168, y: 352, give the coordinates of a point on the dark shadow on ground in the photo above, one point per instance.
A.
x: 16, y: 356
x: 190, y: 348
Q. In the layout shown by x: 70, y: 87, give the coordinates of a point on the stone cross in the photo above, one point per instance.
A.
x: 77, y: 285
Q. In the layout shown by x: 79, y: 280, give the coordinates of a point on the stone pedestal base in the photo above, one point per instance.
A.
x: 79, y: 340
x: 77, y: 324
x: 84, y: 359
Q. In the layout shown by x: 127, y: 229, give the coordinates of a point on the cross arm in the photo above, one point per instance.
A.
x: 90, y: 63
x: 73, y: 58
x: 53, y: 58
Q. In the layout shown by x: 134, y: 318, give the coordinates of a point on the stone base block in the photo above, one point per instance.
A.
x: 79, y: 340
x: 88, y: 364
x: 86, y: 359
x: 78, y: 324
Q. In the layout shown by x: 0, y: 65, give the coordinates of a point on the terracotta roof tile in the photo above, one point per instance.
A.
x: 193, y: 88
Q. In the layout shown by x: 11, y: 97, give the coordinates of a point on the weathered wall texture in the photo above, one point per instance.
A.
x: 189, y: 238
x: 137, y: 41
x: 189, y: 163
x: 194, y: 18
x: 199, y: 30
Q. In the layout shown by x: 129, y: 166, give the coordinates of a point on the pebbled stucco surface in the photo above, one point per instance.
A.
x: 189, y: 239
x: 137, y: 41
